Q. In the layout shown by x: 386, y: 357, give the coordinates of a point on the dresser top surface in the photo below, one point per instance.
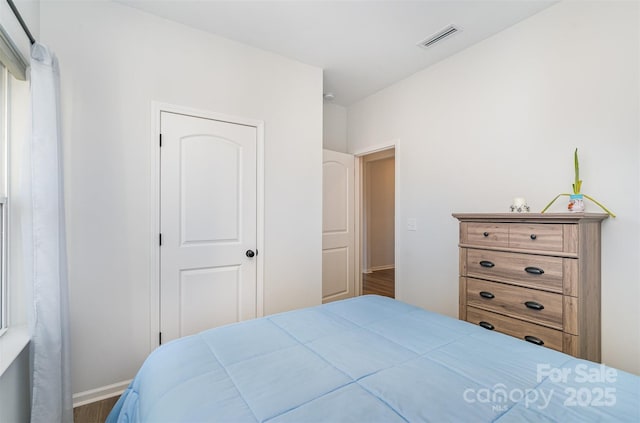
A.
x: 566, y: 217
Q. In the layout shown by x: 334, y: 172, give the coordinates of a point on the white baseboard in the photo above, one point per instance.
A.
x: 98, y: 394
x: 376, y: 268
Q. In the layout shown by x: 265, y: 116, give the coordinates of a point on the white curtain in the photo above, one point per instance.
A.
x: 45, y: 247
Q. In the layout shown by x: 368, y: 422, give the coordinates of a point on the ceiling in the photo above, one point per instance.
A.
x: 363, y: 46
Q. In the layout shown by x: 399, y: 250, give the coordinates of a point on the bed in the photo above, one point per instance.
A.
x: 370, y: 359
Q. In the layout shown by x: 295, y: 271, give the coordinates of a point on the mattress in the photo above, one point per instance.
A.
x: 370, y: 359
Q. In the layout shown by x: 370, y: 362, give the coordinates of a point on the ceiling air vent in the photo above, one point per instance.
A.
x: 439, y: 36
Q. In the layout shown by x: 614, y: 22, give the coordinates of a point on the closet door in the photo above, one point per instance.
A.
x: 208, y: 209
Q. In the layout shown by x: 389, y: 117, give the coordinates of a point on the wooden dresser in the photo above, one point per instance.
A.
x: 534, y: 276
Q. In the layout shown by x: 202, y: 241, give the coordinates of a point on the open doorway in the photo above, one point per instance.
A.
x: 378, y: 222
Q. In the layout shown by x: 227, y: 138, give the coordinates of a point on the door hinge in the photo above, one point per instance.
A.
x: 160, y: 140
x: 159, y: 338
x: 160, y: 239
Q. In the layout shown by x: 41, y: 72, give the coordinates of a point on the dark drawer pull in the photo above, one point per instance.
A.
x: 485, y: 294
x: 486, y: 325
x: 534, y: 270
x: 486, y: 234
x: 533, y: 236
x: 533, y: 305
x: 486, y: 263
x: 533, y: 340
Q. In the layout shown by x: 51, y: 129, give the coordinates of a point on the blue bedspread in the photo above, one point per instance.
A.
x: 370, y: 359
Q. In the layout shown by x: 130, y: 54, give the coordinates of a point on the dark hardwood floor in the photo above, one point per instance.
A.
x: 380, y: 282
x: 96, y: 412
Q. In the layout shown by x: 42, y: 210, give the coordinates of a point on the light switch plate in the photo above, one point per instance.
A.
x: 412, y: 224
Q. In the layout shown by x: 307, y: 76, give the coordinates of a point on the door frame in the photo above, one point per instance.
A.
x: 395, y: 144
x: 154, y: 209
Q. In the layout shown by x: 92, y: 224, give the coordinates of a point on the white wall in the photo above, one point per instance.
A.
x: 500, y: 120
x: 114, y: 62
x: 334, y: 127
x: 14, y: 391
x: 30, y: 12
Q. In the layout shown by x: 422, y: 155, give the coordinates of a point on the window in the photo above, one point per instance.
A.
x: 4, y: 153
x: 3, y: 284
x: 14, y: 127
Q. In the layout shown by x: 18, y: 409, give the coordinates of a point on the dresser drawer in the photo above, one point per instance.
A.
x: 542, y: 237
x: 535, y: 334
x: 544, y: 308
x: 533, y: 271
x: 486, y: 234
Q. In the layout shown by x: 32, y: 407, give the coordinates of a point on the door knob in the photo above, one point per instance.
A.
x: 250, y: 253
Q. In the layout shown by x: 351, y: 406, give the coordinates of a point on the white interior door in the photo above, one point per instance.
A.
x: 338, y: 226
x: 207, y: 223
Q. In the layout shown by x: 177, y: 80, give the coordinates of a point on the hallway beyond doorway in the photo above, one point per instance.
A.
x: 379, y: 282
